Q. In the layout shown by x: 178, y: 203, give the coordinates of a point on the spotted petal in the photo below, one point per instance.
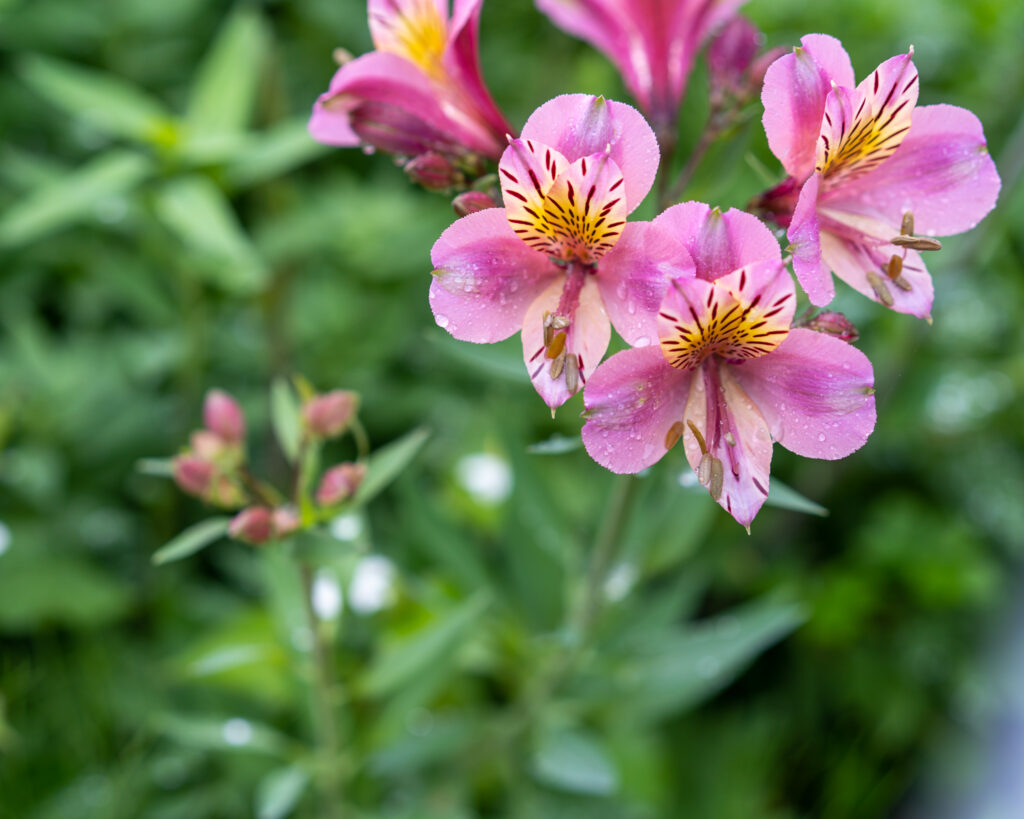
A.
x: 559, y: 376
x: 578, y: 217
x: 861, y: 129
x: 745, y: 314
x: 579, y: 125
x: 735, y: 459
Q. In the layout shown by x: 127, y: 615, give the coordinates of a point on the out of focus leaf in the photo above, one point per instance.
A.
x: 157, y: 467
x: 285, y: 414
x: 279, y: 792
x: 426, y: 649
x: 73, y: 198
x: 222, y: 734
x: 192, y: 540
x: 785, y: 497
x: 273, y: 152
x: 388, y: 462
x: 40, y: 588
x: 197, y: 211
x: 572, y: 760
x: 104, y: 100
x: 225, y: 83
x: 503, y: 361
x: 556, y: 445
x: 676, y: 669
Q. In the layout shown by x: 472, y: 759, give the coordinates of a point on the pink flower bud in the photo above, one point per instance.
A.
x: 286, y: 521
x: 833, y: 324
x: 192, y: 474
x: 223, y: 416
x: 340, y: 483
x: 329, y: 415
x: 207, y: 445
x: 471, y: 202
x: 253, y: 525
x: 731, y: 53
x: 434, y: 172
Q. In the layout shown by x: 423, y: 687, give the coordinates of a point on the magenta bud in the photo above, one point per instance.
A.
x: 434, y: 172
x: 340, y: 483
x: 192, y: 474
x: 388, y: 128
x: 471, y: 202
x: 833, y: 324
x: 223, y: 417
x: 286, y: 521
x: 731, y: 53
x: 329, y: 415
x: 253, y: 525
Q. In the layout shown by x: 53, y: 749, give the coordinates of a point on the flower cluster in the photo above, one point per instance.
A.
x: 704, y: 299
x: 214, y: 466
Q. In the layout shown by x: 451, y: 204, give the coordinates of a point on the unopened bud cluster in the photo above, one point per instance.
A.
x: 213, y: 466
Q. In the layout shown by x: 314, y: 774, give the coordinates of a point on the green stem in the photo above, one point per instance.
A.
x: 361, y: 438
x: 322, y: 703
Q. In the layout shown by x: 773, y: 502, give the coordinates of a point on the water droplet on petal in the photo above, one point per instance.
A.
x: 643, y: 341
x: 442, y: 321
x: 821, y: 437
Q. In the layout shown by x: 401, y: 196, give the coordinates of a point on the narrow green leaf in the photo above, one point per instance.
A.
x: 572, y: 760
x: 104, y: 100
x: 388, y: 462
x: 279, y: 792
x: 503, y: 361
x: 785, y: 497
x: 73, y: 197
x: 677, y: 669
x: 198, y: 212
x: 225, y: 84
x: 285, y: 415
x: 425, y: 650
x: 222, y: 734
x: 192, y: 540
x: 556, y: 445
x: 271, y: 153
x: 157, y: 467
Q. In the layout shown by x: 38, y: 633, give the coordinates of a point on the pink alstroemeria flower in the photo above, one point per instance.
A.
x: 866, y: 166
x: 730, y: 374
x: 560, y: 259
x: 421, y: 89
x: 653, y: 43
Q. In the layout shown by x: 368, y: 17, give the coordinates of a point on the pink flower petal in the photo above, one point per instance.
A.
x: 633, y: 277
x: 735, y: 433
x: 816, y: 393
x: 795, y: 88
x: 485, y: 278
x: 587, y: 338
x: 719, y: 242
x: 462, y: 60
x: 527, y: 171
x: 632, y: 402
x: 579, y: 125
x: 942, y: 172
x: 742, y: 315
x: 852, y: 260
x: 805, y: 237
x: 863, y: 128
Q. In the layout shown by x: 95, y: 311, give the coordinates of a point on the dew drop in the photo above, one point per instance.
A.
x: 643, y: 341
x: 821, y: 437
x: 442, y: 321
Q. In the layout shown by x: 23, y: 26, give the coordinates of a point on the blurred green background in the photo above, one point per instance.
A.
x: 166, y: 226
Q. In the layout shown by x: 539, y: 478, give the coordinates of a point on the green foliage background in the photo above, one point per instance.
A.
x: 167, y: 226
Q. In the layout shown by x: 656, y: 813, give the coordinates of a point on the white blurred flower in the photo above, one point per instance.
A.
x: 348, y: 526
x: 373, y: 585
x: 326, y: 595
x: 485, y: 476
x: 237, y: 731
